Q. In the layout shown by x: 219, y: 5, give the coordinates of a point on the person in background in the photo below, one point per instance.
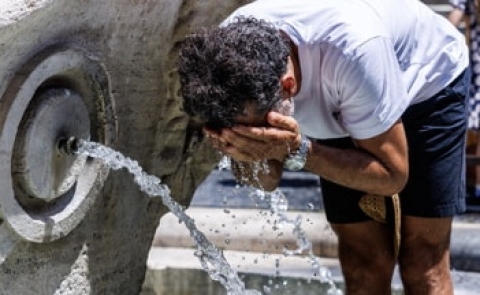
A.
x: 377, y: 96
x: 467, y: 12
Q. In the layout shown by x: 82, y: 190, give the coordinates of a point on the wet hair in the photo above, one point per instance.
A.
x: 221, y: 69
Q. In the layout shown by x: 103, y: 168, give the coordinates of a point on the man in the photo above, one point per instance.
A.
x: 378, y: 89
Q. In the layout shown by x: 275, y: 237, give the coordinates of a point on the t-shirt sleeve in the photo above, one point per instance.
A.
x: 372, y: 95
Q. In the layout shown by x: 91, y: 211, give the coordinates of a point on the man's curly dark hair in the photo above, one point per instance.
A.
x: 222, y: 69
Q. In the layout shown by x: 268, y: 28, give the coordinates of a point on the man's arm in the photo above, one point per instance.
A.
x: 379, y: 165
x: 456, y: 16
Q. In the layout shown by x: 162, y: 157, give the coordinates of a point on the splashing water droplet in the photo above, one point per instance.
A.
x: 310, y: 206
x: 224, y: 163
x: 279, y: 207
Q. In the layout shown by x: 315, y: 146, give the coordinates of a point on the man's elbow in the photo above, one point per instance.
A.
x: 398, y: 183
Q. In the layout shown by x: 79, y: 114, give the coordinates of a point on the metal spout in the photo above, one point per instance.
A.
x: 69, y: 145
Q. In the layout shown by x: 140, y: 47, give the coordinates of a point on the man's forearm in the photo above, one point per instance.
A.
x: 353, y: 168
x: 265, y: 176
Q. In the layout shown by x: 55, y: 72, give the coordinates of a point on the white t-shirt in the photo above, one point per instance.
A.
x: 363, y: 62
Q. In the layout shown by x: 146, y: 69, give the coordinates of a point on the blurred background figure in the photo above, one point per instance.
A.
x: 465, y: 14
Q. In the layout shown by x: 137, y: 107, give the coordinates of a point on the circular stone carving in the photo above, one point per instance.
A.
x: 53, y: 115
x: 61, y: 92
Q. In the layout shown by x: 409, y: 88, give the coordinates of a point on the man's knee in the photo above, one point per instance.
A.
x: 425, y: 242
x: 424, y: 259
x: 361, y: 261
x: 366, y: 256
x: 421, y: 257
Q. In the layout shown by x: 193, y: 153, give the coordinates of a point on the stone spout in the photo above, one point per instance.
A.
x: 102, y: 71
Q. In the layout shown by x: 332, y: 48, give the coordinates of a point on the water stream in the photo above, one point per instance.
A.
x: 211, y: 258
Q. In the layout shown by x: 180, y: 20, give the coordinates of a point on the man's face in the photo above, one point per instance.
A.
x: 250, y: 117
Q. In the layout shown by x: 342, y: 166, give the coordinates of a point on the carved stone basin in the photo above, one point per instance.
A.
x: 46, y: 193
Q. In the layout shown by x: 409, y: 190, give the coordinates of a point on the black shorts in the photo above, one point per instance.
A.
x: 435, y: 130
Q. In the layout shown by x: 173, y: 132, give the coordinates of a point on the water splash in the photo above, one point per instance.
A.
x: 211, y: 258
x: 279, y: 207
x: 224, y: 163
x: 248, y: 173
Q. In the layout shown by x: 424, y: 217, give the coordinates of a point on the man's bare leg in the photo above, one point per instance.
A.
x: 366, y: 253
x: 425, y: 256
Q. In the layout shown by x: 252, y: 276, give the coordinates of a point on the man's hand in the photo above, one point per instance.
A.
x: 253, y: 144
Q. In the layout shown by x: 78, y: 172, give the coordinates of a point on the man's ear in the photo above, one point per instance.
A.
x: 289, y: 84
x: 288, y: 81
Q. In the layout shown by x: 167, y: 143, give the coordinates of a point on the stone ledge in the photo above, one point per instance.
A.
x: 252, y: 230
x: 247, y: 230
x: 465, y: 283
x: 246, y: 262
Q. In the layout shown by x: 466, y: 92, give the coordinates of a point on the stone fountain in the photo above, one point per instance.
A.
x: 103, y: 71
